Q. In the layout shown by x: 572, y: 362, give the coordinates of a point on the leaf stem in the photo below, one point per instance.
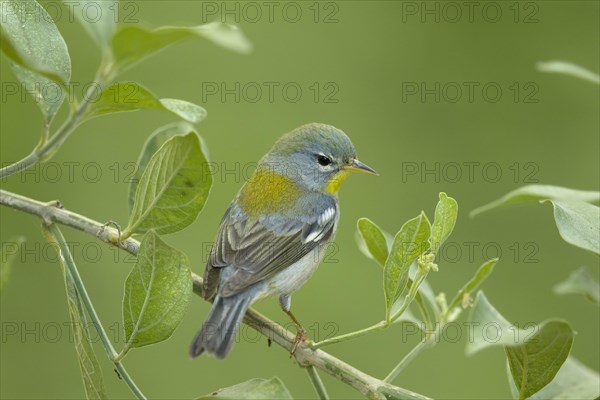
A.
x: 87, y: 302
x: 425, y: 314
x: 317, y: 383
x: 47, y: 147
x: 352, y: 335
x: 414, y: 289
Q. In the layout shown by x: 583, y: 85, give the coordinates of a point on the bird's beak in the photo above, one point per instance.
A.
x: 357, y: 166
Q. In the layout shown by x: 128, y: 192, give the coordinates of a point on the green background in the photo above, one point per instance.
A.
x: 368, y: 54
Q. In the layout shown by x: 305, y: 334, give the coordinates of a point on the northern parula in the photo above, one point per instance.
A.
x: 275, y: 232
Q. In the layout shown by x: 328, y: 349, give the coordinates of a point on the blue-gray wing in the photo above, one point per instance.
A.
x: 257, y: 249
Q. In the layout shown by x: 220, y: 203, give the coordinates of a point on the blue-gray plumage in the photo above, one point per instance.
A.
x: 274, y: 234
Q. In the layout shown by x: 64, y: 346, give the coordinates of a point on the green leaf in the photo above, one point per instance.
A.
x: 409, y: 243
x: 568, y: 68
x: 157, y: 292
x: 38, y: 53
x: 9, y: 252
x: 578, y: 223
x: 426, y: 292
x: 30, y: 39
x: 264, y: 389
x: 480, y: 276
x: 414, y: 283
x: 574, y: 381
x: 132, y: 44
x: 374, y: 240
x: 173, y: 187
x: 580, y: 282
x: 93, y: 381
x: 446, y: 212
x: 408, y: 317
x: 490, y: 328
x: 532, y: 193
x: 131, y: 96
x: 100, y: 21
x: 535, y: 363
x: 151, y: 146
x: 534, y: 354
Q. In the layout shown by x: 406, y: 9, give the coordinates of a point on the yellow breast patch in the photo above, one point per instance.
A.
x: 268, y: 192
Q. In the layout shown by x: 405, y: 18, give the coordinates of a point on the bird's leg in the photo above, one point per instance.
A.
x: 286, y: 302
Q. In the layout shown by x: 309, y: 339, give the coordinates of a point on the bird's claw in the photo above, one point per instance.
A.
x: 300, y: 337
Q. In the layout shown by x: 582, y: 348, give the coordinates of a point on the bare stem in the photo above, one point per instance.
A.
x: 306, y: 356
x: 429, y: 341
x: 352, y: 335
x: 87, y: 302
x: 317, y: 383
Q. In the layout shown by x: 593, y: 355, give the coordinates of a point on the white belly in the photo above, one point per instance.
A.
x: 293, y: 277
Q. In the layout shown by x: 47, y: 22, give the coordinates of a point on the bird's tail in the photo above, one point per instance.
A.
x: 218, y: 330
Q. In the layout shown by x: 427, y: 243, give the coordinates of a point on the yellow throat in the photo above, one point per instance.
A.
x: 333, y: 186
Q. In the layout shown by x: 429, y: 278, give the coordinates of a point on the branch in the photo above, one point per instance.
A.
x: 370, y: 387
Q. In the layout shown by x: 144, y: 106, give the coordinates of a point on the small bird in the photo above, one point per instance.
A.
x: 274, y: 234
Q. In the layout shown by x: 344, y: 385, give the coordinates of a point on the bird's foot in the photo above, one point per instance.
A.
x: 300, y: 337
x: 300, y: 331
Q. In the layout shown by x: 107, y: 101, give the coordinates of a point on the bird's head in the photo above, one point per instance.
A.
x: 317, y: 157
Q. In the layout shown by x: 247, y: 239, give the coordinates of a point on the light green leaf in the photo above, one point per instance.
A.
x: 93, y: 381
x: 580, y: 282
x: 469, y: 288
x: 532, y: 193
x: 374, y: 240
x: 535, y: 363
x: 132, y: 44
x: 263, y: 389
x: 578, y: 223
x: 157, y: 292
x: 408, y: 317
x: 568, y: 68
x: 425, y: 296
x: 9, y: 252
x: 446, y: 212
x: 30, y: 39
x: 131, y: 96
x: 99, y: 19
x: 490, y: 328
x: 173, y: 187
x: 414, y: 283
x: 534, y: 354
x: 38, y: 53
x: 426, y: 292
x: 153, y: 143
x: 574, y: 381
x: 410, y: 242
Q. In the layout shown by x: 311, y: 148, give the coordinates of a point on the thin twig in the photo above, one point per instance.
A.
x: 352, y: 335
x: 87, y: 302
x: 317, y: 383
x: 409, y: 357
x: 47, y: 147
x: 365, y: 384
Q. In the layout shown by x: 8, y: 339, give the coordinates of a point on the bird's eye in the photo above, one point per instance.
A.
x: 323, y: 160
